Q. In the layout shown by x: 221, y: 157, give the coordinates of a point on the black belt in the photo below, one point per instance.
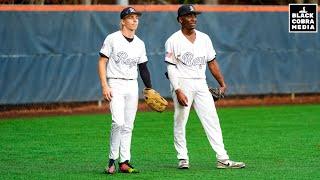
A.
x: 121, y: 78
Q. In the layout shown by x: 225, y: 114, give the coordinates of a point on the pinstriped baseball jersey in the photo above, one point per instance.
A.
x: 190, y: 58
x: 123, y: 55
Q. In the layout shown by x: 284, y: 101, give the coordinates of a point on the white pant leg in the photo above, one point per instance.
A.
x: 117, y: 105
x: 206, y: 111
x: 181, y: 115
x: 130, y: 109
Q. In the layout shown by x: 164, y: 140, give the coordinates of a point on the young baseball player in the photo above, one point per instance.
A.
x: 188, y: 51
x: 121, y: 55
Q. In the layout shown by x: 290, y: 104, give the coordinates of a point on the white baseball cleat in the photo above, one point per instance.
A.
x: 224, y: 164
x: 183, y: 164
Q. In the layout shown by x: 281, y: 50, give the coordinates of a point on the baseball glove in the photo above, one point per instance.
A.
x: 216, y: 93
x: 154, y: 100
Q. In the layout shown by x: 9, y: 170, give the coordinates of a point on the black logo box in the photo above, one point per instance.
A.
x: 296, y: 8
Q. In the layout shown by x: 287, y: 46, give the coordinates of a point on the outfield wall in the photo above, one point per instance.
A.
x: 49, y: 53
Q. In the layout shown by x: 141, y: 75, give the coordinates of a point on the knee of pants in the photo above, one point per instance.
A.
x: 179, y: 130
x: 116, y: 125
x: 180, y: 122
x: 127, y: 129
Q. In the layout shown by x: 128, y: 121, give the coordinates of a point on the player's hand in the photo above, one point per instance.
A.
x: 223, y: 89
x: 107, y: 93
x: 182, y: 98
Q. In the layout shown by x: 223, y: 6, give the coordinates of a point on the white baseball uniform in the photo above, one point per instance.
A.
x: 190, y: 60
x: 122, y: 76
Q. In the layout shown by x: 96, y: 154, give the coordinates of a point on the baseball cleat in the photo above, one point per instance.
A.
x: 111, y: 168
x: 224, y: 164
x: 183, y: 164
x: 126, y: 167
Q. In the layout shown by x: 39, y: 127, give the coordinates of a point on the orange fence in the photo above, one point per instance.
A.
x: 150, y: 8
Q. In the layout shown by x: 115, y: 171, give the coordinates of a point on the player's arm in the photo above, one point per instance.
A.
x: 171, y: 62
x: 106, y: 90
x: 172, y: 76
x: 215, y: 71
x: 173, y: 73
x: 145, y: 74
x: 174, y: 80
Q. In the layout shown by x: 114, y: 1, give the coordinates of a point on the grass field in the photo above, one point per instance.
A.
x: 279, y: 142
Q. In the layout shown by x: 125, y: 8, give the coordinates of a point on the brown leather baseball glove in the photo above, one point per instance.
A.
x: 154, y: 100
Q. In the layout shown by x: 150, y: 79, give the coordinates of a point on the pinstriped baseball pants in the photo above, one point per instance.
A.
x: 123, y: 107
x: 198, y: 94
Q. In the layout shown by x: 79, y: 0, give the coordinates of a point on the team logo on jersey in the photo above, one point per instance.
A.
x: 303, y: 18
x: 122, y: 57
x: 189, y: 60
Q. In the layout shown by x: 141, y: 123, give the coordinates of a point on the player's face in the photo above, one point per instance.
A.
x: 188, y: 21
x: 131, y: 22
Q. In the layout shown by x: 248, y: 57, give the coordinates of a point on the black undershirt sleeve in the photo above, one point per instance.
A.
x: 102, y: 55
x: 212, y: 59
x: 145, y: 75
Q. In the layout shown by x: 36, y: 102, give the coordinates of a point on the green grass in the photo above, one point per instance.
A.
x: 279, y: 142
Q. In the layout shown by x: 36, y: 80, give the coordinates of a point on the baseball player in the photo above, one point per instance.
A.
x: 121, y: 55
x: 188, y: 51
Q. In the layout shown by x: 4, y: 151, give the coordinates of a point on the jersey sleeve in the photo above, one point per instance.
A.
x: 170, y: 58
x: 143, y: 58
x: 106, y: 47
x: 211, y: 53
